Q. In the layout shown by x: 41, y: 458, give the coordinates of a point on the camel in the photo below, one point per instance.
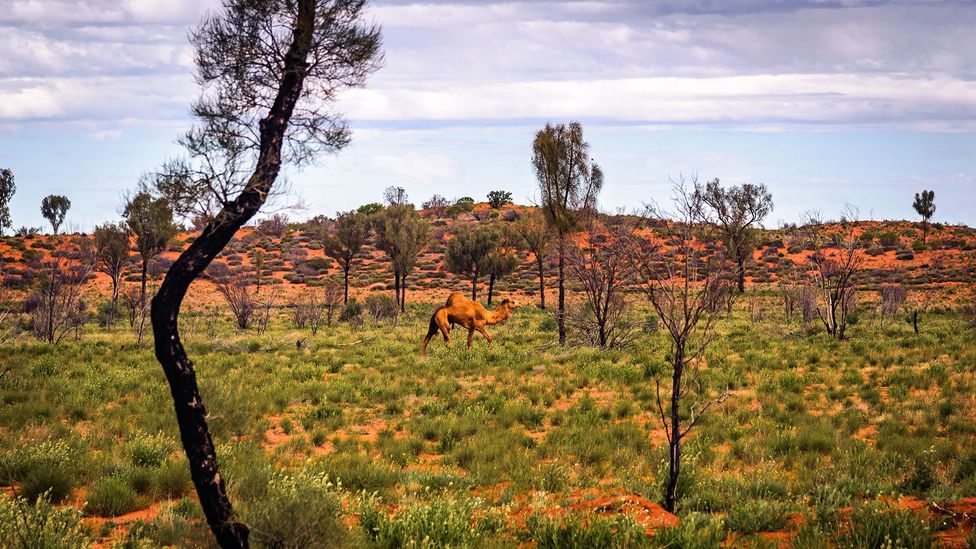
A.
x: 469, y: 314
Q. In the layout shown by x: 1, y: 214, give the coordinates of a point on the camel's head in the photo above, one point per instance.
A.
x: 512, y: 303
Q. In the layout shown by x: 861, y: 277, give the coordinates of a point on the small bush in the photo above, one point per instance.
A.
x: 111, y: 497
x: 149, y: 450
x: 40, y: 525
x: 173, y: 479
x: 443, y: 522
x: 298, y: 511
x: 53, y: 482
x: 352, y: 311
x: 382, y: 307
x: 584, y: 531
x: 756, y: 516
x: 874, y: 525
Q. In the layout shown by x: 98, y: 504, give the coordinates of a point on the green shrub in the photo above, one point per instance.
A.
x: 298, y: 511
x: 40, y: 525
x: 352, y: 311
x: 173, y: 478
x: 583, y: 530
x: 756, y: 516
x: 382, y: 307
x: 56, y: 482
x: 874, y: 525
x: 696, y: 531
x: 149, y: 450
x: 444, y: 522
x: 111, y: 497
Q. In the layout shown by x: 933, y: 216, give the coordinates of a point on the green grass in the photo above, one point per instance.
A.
x: 811, y: 426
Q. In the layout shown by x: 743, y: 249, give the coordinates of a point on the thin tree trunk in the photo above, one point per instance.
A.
x: 190, y: 412
x: 542, y: 284
x: 345, y: 284
x: 674, y: 446
x: 491, y: 287
x: 145, y: 274
x: 740, y: 261
x: 561, y: 312
x: 396, y: 285
x: 474, y: 287
x: 403, y: 293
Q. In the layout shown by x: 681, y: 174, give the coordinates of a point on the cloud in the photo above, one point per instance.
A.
x: 415, y: 168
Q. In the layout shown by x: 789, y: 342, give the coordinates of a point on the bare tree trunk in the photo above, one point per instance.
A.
x: 345, y: 284
x: 491, y: 287
x: 145, y: 274
x: 396, y: 286
x: 403, y: 293
x: 674, y: 443
x: 740, y: 263
x: 561, y: 312
x: 190, y: 412
x: 542, y: 284
x: 474, y: 287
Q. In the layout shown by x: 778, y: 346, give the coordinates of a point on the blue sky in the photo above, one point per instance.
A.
x: 826, y: 102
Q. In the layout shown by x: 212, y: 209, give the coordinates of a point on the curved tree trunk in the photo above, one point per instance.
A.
x: 190, y: 412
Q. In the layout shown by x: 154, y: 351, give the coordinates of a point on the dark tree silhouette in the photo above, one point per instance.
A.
x: 112, y: 254
x: 735, y: 210
x: 395, y: 196
x: 569, y: 183
x: 270, y: 71
x: 925, y: 207
x: 54, y: 207
x: 500, y: 261
x: 7, y: 190
x: 497, y: 199
x: 343, y: 245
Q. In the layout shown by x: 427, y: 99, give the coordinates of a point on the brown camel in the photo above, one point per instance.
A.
x: 469, y: 314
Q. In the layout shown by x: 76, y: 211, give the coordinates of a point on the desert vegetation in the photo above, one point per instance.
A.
x: 703, y: 379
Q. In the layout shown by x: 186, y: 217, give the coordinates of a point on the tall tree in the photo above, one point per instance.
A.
x: 467, y: 254
x: 925, y: 207
x: 735, y: 210
x: 569, y: 183
x: 687, y: 287
x: 54, y: 207
x: 270, y: 73
x: 150, y: 219
x: 535, y: 236
x: 344, y: 244
x: 402, y: 234
x: 112, y: 254
x: 7, y: 190
x: 497, y: 199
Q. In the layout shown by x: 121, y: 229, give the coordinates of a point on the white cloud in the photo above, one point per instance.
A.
x: 415, y: 168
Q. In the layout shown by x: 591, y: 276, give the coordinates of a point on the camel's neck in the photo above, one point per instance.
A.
x: 499, y: 314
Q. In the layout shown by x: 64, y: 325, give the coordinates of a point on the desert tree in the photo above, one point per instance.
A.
x: 833, y: 269
x: 257, y: 260
x: 395, y: 196
x: 274, y: 226
x: 54, y: 207
x: 7, y: 190
x: 687, y: 284
x: 113, y: 254
x: 270, y: 72
x: 345, y: 242
x: 569, y: 182
x: 925, y: 207
x: 500, y: 261
x: 603, y: 272
x: 497, y: 199
x: 534, y: 235
x: 436, y: 206
x: 735, y: 210
x: 150, y: 220
x: 58, y: 298
x: 402, y: 234
x: 467, y: 254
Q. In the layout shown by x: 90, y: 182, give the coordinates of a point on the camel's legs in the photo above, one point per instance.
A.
x: 482, y: 331
x: 470, y: 337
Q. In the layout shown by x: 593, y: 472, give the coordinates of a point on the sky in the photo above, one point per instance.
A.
x: 827, y: 102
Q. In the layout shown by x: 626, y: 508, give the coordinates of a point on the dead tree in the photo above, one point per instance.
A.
x: 603, y: 272
x: 270, y: 72
x: 893, y: 297
x: 237, y: 294
x: 687, y: 287
x: 58, y: 298
x: 833, y: 273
